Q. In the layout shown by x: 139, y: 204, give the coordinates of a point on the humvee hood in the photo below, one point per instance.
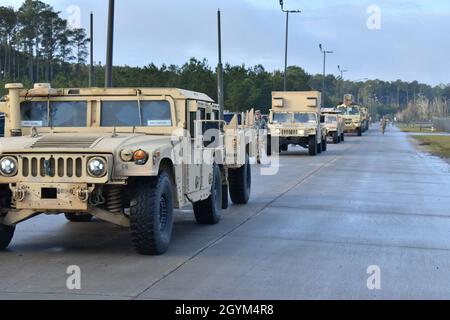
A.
x: 81, y: 143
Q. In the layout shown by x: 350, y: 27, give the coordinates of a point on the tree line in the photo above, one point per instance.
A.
x: 37, y: 45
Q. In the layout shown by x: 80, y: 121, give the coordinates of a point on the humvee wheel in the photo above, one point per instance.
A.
x: 6, y: 235
x: 241, y: 183
x: 335, y: 138
x: 207, y: 212
x: 360, y: 132
x: 78, y: 217
x: 313, y: 146
x: 151, y: 215
x: 342, y: 137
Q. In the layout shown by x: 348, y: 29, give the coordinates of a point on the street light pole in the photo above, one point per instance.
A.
x: 91, y: 54
x: 325, y: 52
x: 220, y: 85
x: 287, y: 40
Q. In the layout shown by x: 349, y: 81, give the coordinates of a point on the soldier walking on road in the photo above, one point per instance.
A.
x: 384, y: 123
x: 260, y: 125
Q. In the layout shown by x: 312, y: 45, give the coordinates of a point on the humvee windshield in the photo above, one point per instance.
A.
x: 305, y: 118
x: 134, y: 114
x: 330, y: 119
x: 282, y: 117
x: 353, y: 111
x: 54, y: 113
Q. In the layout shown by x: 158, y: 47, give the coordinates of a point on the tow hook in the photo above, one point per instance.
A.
x: 83, y: 195
x: 19, y: 194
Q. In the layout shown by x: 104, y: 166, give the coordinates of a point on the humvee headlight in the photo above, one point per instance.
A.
x: 96, y: 167
x: 301, y: 132
x: 8, y: 166
x: 140, y: 157
x: 277, y: 131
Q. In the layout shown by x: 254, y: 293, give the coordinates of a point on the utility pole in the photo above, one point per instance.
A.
x: 110, y: 46
x: 342, y: 81
x: 220, y: 85
x: 286, y: 43
x: 325, y: 52
x: 91, y: 66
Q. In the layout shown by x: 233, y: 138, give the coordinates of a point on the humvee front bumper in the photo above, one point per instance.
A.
x: 352, y: 127
x: 48, y: 197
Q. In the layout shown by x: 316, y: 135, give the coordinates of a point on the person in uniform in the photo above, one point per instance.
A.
x: 384, y: 123
x: 260, y: 125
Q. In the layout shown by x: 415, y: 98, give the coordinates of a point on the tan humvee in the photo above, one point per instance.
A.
x: 295, y: 119
x: 352, y: 116
x: 124, y: 155
x: 335, y: 124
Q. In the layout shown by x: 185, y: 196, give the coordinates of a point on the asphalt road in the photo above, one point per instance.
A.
x: 310, y: 232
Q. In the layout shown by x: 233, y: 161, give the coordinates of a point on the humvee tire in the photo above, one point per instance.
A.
x: 240, y: 183
x: 208, y: 212
x: 6, y: 235
x: 313, y: 146
x: 225, y: 197
x: 79, y: 217
x: 360, y: 132
x: 336, y: 138
x: 342, y: 137
x: 151, y: 215
x: 324, y: 145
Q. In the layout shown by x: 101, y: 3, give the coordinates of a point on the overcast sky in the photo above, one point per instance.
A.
x: 413, y: 42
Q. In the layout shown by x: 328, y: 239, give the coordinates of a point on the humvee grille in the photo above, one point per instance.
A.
x: 55, y: 166
x: 66, y: 142
x: 289, y: 132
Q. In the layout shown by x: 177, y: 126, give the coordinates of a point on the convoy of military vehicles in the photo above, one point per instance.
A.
x: 131, y: 156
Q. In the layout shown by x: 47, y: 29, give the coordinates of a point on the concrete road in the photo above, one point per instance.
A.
x: 310, y: 232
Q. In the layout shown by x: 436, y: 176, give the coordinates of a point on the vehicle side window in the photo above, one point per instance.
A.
x: 202, y: 113
x: 192, y: 119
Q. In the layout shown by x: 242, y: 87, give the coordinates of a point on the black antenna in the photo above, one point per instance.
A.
x: 110, y: 46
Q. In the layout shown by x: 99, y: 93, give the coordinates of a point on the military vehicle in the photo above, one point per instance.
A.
x: 335, y: 124
x: 128, y: 156
x: 352, y: 116
x: 295, y: 119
